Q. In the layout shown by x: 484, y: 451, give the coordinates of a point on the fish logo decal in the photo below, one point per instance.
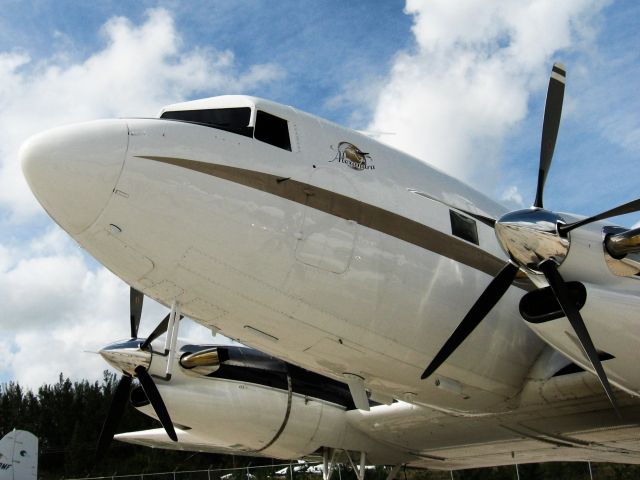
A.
x: 352, y: 156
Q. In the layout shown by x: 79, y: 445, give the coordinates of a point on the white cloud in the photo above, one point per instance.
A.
x: 57, y: 303
x: 140, y: 69
x: 56, y: 309
x: 512, y: 196
x: 454, y: 98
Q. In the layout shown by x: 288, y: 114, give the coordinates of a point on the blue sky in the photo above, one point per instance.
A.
x: 459, y: 84
x: 596, y: 163
x: 319, y: 45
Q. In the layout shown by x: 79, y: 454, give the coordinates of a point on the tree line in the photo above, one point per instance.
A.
x: 67, y: 418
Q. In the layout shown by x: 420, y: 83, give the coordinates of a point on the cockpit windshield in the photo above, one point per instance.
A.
x: 234, y: 120
x: 268, y: 128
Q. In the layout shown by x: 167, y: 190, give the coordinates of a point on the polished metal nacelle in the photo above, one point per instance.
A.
x: 127, y: 355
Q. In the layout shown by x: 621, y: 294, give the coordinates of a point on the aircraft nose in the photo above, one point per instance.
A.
x: 73, y: 170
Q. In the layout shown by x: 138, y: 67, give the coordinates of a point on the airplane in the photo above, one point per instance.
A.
x: 484, y: 336
x: 19, y: 456
x: 302, y: 467
x: 309, y: 469
x: 231, y: 476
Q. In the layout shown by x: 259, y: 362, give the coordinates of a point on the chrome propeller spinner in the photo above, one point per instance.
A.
x: 133, y: 358
x: 127, y: 356
x: 531, y: 236
x: 536, y: 241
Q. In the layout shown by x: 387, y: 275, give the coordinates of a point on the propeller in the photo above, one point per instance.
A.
x: 536, y: 241
x: 135, y: 308
x: 159, y: 330
x: 490, y: 222
x: 550, y: 126
x: 152, y: 393
x: 133, y: 358
x: 480, y: 309
x: 560, y: 290
x: 629, y: 207
x: 116, y: 410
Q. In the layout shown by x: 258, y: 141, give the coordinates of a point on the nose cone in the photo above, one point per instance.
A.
x: 126, y: 356
x: 73, y: 170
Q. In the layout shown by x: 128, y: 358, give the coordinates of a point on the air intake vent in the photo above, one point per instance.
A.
x: 541, y: 306
x: 463, y: 227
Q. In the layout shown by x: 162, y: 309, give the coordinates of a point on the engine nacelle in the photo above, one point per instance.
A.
x: 611, y: 318
x: 237, y: 400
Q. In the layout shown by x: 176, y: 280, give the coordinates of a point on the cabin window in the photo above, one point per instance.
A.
x: 272, y: 130
x: 235, y: 120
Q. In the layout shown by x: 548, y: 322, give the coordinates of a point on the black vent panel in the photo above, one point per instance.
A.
x: 464, y: 227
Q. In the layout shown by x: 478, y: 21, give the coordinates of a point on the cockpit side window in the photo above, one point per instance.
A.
x: 272, y: 130
x: 234, y: 120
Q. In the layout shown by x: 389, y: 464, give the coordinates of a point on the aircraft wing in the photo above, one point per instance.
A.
x: 157, y: 438
x: 584, y: 430
x: 616, y: 446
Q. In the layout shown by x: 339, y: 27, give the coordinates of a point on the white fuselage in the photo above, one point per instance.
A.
x: 329, y: 293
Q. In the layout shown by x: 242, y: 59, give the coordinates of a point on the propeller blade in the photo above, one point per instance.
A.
x: 630, y: 207
x: 152, y: 393
x: 135, y: 308
x: 490, y: 222
x: 492, y: 294
x: 559, y: 288
x: 119, y: 401
x: 159, y: 330
x: 550, y: 126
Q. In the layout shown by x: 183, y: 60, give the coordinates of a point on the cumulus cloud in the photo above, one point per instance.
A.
x: 512, y: 197
x: 57, y: 310
x: 140, y: 69
x: 453, y: 99
x: 54, y: 308
x: 56, y: 301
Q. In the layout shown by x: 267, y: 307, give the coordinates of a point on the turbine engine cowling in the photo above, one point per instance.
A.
x: 616, y: 340
x: 237, y: 399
